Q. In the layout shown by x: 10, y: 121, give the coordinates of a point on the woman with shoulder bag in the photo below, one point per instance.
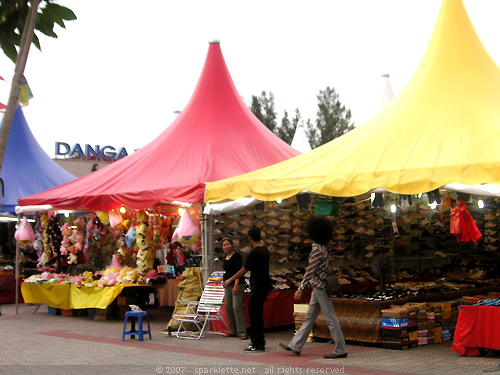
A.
x: 320, y: 230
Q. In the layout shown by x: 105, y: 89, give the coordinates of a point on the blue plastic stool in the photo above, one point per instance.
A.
x: 133, y: 332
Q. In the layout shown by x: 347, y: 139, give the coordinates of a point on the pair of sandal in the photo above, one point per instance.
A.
x: 242, y: 337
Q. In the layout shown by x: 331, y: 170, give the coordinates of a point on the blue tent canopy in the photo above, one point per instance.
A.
x: 27, y: 169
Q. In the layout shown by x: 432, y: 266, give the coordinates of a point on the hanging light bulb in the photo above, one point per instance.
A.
x: 480, y: 203
x: 420, y: 195
x: 279, y: 200
x: 393, y: 208
x: 123, y: 209
x: 180, y: 211
x: 433, y: 205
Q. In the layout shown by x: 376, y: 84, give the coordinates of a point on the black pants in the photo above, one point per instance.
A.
x: 256, y: 312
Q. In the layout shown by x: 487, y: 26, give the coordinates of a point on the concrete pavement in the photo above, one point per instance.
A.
x: 43, y: 344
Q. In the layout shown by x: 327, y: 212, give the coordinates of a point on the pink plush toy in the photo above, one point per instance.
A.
x: 65, y: 244
x: 79, y: 223
x: 24, y: 234
x: 188, y: 231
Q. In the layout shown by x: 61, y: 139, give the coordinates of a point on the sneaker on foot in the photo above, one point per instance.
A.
x: 253, y: 349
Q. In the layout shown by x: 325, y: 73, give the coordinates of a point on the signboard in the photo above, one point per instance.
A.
x: 89, y: 152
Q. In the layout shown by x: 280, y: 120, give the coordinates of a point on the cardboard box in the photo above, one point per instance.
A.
x: 391, y: 322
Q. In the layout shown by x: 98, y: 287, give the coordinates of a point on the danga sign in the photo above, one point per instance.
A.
x: 96, y: 152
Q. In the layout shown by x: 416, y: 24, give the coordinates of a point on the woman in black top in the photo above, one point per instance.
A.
x: 233, y: 294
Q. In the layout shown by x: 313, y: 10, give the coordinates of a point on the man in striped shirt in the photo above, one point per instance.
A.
x: 320, y: 230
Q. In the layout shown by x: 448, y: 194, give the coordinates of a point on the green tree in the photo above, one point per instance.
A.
x: 18, y: 22
x: 13, y: 14
x: 296, y: 119
x: 333, y: 119
x: 286, y: 130
x: 256, y: 108
x: 263, y: 108
x: 312, y: 134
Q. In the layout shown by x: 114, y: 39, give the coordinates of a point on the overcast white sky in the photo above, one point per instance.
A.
x: 116, y: 75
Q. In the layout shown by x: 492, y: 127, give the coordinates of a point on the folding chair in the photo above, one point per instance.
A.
x: 200, y: 313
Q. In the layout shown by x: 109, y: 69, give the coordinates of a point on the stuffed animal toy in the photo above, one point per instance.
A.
x: 131, y: 276
x: 86, y: 278
x: 65, y: 244
x: 187, y: 232
x: 142, y: 236
x: 47, y: 246
x: 124, y: 226
x: 79, y: 223
x: 115, y: 263
x: 115, y: 218
x: 103, y: 217
x: 130, y: 238
x: 24, y: 234
x: 143, y: 230
x: 144, y: 261
x: 108, y: 280
x: 156, y: 230
x: 73, y: 255
x: 123, y: 273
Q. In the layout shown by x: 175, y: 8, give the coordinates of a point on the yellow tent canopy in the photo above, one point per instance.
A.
x: 444, y: 127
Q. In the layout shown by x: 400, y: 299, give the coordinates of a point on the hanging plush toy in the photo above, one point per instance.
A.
x: 65, y: 244
x: 47, y: 247
x: 156, y: 230
x: 115, y: 218
x: 130, y: 238
x: 123, y: 226
x: 103, y: 217
x: 143, y: 230
x: 73, y: 255
x: 24, y: 234
x: 187, y: 232
x: 144, y: 261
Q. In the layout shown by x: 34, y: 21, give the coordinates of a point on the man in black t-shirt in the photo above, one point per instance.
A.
x: 258, y: 265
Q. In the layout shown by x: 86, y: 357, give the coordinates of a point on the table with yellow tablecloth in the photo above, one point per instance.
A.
x: 69, y: 296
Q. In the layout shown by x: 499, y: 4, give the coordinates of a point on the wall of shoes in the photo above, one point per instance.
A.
x: 416, y: 235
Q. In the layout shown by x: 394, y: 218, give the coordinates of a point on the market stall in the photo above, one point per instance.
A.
x: 215, y: 136
x: 424, y: 141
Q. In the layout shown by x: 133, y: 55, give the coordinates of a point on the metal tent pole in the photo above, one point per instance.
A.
x: 204, y: 243
x: 17, y: 270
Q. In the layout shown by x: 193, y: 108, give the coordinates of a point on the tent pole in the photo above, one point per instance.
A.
x: 204, y: 243
x: 17, y: 270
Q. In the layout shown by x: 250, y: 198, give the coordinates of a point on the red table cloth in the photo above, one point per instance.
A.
x: 477, y: 327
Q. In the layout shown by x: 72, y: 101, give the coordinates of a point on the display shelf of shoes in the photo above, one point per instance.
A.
x: 282, y: 228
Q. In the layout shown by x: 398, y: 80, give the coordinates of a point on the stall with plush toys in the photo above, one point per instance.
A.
x: 87, y: 259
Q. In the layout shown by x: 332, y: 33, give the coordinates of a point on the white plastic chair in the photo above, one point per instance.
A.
x: 201, y: 313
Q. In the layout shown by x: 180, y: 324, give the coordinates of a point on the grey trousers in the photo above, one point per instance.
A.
x: 320, y: 301
x: 234, y: 310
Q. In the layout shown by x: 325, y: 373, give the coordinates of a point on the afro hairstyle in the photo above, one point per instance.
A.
x: 319, y: 229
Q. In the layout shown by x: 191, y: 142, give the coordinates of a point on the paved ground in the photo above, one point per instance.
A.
x: 43, y: 344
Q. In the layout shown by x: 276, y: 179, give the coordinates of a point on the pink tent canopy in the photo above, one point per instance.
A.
x: 215, y: 137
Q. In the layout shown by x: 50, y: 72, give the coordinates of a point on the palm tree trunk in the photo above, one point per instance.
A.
x: 22, y: 57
